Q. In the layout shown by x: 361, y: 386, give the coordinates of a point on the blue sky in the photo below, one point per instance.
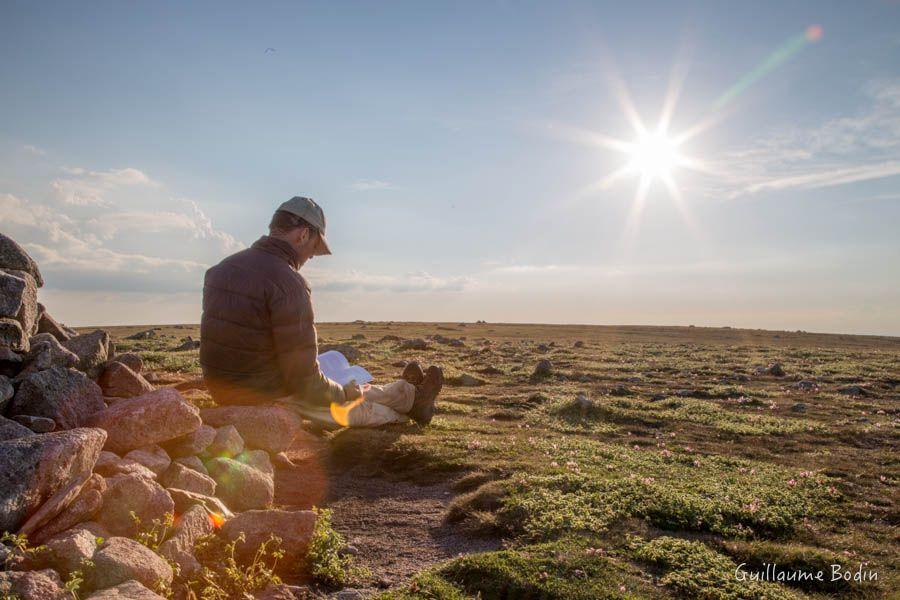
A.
x: 450, y: 147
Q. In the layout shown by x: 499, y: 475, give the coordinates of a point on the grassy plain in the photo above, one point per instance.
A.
x: 683, y: 459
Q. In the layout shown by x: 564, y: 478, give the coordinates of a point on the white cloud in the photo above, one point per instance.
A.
x: 848, y: 149
x: 368, y: 185
x: 327, y: 280
x: 89, y: 188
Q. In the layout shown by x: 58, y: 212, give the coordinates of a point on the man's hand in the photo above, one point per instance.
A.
x: 354, y: 391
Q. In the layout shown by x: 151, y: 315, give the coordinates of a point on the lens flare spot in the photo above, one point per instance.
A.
x: 216, y: 519
x: 814, y: 33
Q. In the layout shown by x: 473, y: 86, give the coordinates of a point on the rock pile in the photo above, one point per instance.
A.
x: 92, y: 457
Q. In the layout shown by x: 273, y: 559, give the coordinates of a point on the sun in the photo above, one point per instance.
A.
x: 654, y: 156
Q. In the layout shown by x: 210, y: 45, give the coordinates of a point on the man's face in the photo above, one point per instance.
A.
x: 305, y: 241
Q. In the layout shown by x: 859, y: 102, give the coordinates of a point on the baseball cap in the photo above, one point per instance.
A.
x: 312, y: 213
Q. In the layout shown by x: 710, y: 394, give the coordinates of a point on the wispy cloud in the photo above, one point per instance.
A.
x: 848, y: 149
x: 332, y: 281
x: 89, y: 188
x: 368, y: 185
x: 33, y: 150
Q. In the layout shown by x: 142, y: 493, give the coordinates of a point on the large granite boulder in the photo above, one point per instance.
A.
x: 179, y: 548
x: 241, y: 486
x: 65, y: 395
x: 294, y: 528
x: 32, y: 585
x: 271, y: 428
x: 12, y: 289
x: 92, y: 350
x: 120, y: 559
x: 13, y: 256
x: 119, y: 381
x: 127, y: 494
x: 12, y: 336
x: 35, y: 468
x: 46, y: 352
x: 82, y: 509
x: 151, y: 418
x: 153, y: 457
x: 47, y: 324
x: 28, y: 314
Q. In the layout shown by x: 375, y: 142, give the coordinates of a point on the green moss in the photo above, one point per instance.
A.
x: 693, y: 570
x: 565, y: 570
x: 592, y: 484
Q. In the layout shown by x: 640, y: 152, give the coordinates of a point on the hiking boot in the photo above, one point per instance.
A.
x: 413, y: 373
x: 423, y: 406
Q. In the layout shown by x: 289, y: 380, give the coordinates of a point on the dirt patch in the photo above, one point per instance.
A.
x: 397, y: 527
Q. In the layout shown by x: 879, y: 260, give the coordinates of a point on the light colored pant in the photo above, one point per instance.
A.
x: 380, y: 405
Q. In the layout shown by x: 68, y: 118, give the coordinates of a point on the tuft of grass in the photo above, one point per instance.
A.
x: 224, y: 577
x: 564, y: 570
x: 592, y: 484
x: 324, y: 563
x: 702, y: 412
x: 693, y: 570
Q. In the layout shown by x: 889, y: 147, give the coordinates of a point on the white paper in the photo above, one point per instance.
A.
x: 336, y: 366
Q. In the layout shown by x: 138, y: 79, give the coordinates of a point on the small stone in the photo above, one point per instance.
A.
x: 271, y: 428
x: 133, y: 493
x: 805, y: 385
x: 119, y: 381
x: 153, y: 457
x: 12, y: 336
x: 7, y: 391
x: 413, y: 344
x: 184, y: 478
x: 799, y: 407
x: 544, y: 368
x: 92, y: 350
x: 185, y: 499
x: 228, y: 442
x: 258, y: 459
x: 111, y: 466
x: 47, y: 324
x: 193, y: 462
x: 67, y: 551
x: 190, y: 527
x: 36, y: 424
x: 142, y: 335
x: 349, y: 352
x: 130, y: 590
x: 465, y: 380
x: 120, y: 559
x: 132, y: 360
x: 293, y: 527
x: 192, y: 443
x: 583, y: 402
x: 10, y: 430
x: 241, y: 486
x: 853, y: 390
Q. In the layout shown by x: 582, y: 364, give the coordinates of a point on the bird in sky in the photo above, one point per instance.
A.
x: 269, y: 50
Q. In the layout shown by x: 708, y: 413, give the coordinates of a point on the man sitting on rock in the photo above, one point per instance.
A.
x: 258, y: 341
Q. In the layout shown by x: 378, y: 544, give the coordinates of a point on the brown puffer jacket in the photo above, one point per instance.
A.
x: 257, y: 337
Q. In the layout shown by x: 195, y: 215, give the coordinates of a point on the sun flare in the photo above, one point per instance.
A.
x: 654, y: 156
